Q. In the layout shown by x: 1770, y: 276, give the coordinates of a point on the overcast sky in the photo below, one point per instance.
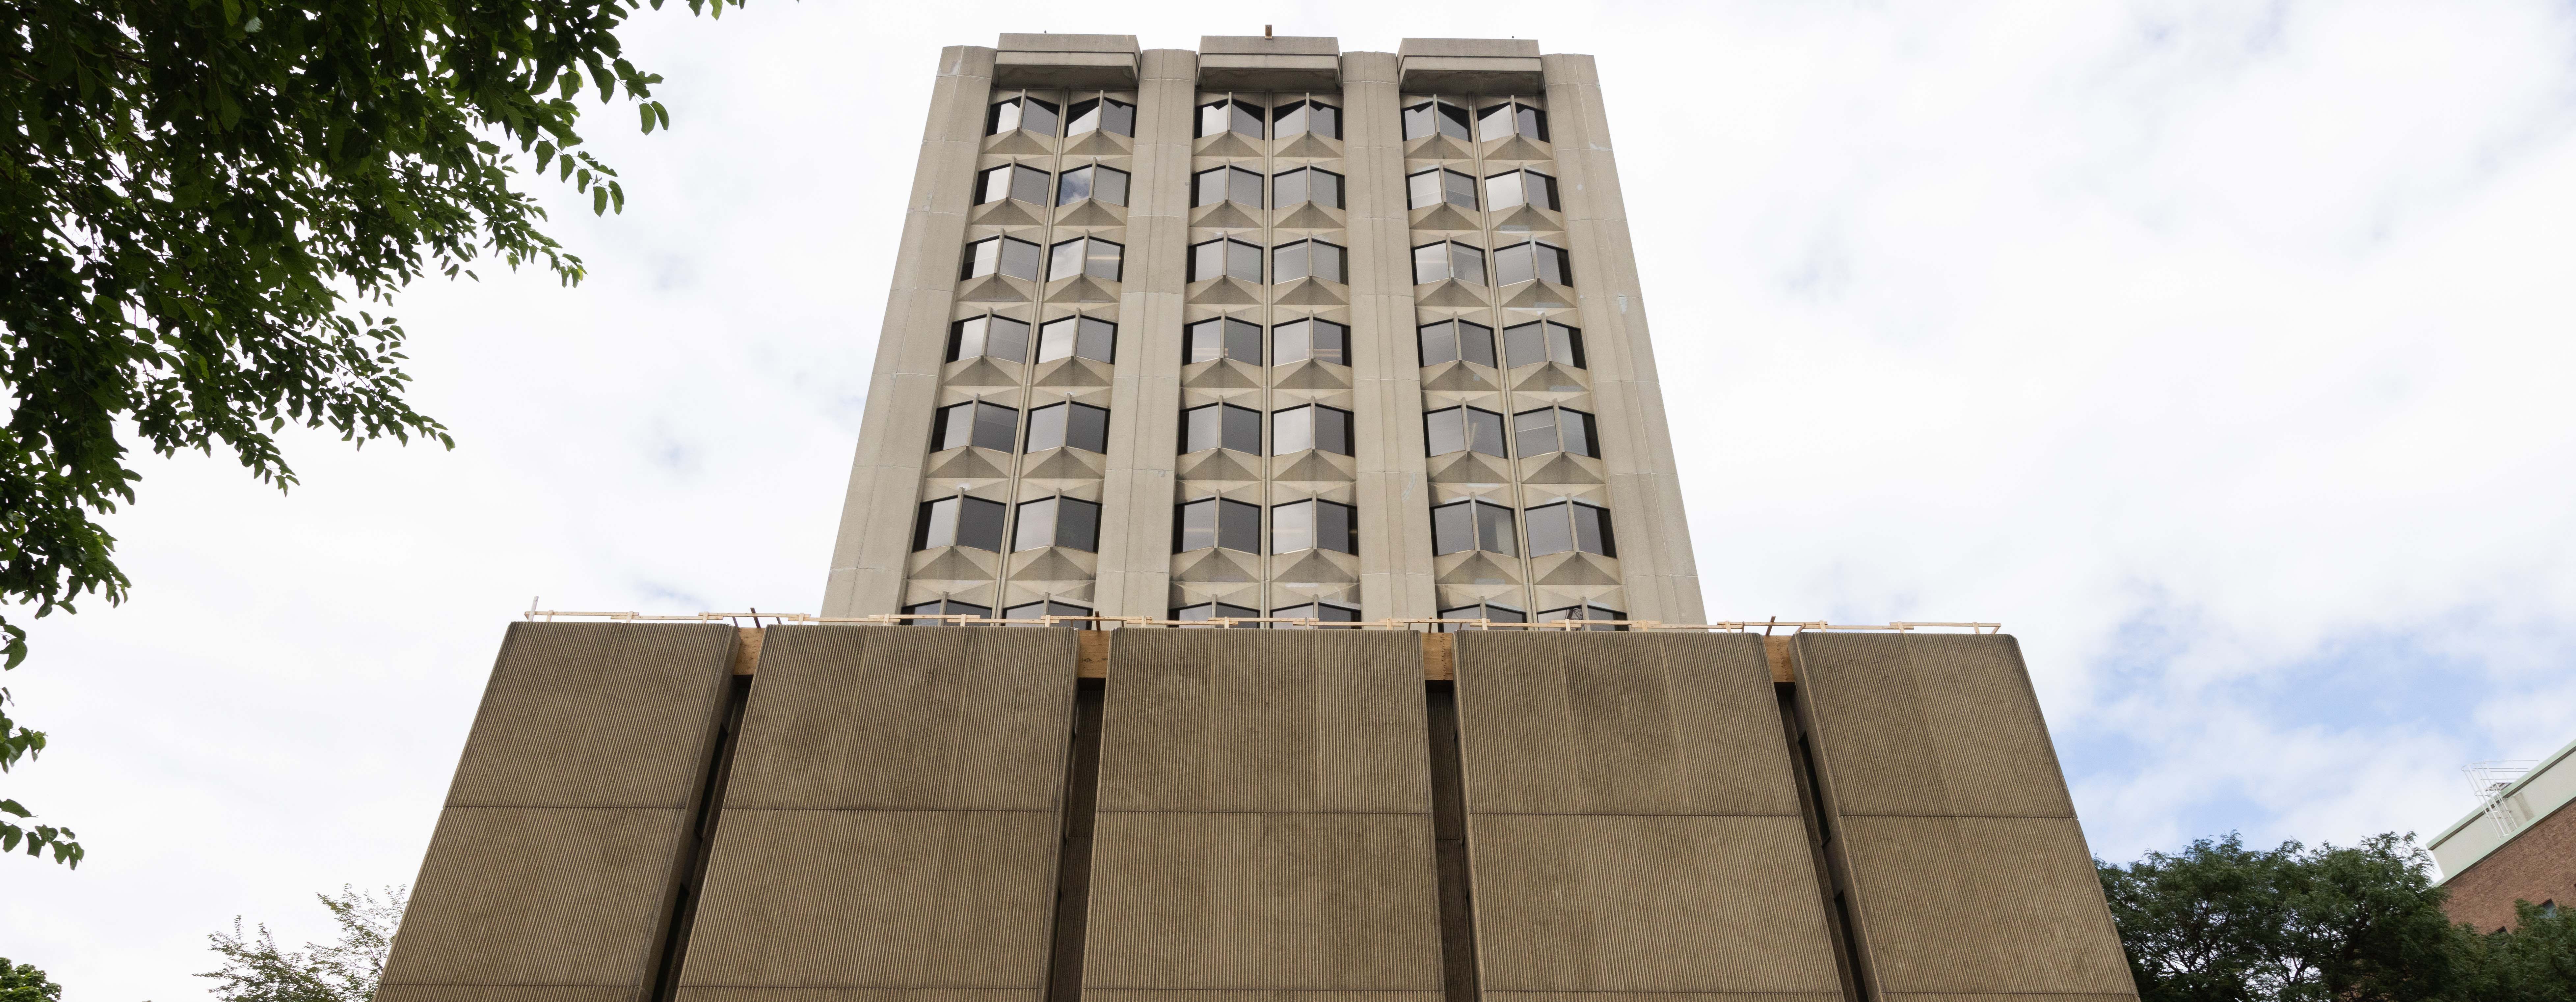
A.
x: 2221, y: 351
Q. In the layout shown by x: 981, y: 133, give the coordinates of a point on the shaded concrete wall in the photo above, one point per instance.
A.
x: 1264, y: 819
x: 1632, y: 820
x: 1967, y: 871
x: 558, y: 855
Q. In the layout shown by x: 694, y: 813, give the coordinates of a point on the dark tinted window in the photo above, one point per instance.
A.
x: 1487, y: 611
x: 1221, y: 337
x: 1308, y: 116
x: 1522, y: 262
x: 1584, y: 613
x: 1313, y: 426
x: 1509, y: 118
x: 1299, y: 340
x: 1217, y: 610
x: 1458, y: 429
x: 1079, y: 426
x: 982, y: 425
x: 1089, y: 337
x: 1569, y: 525
x: 1325, y: 611
x: 1021, y: 113
x: 1105, y: 114
x: 1242, y: 117
x: 1308, y: 258
x: 1473, y: 525
x: 1027, y: 184
x: 1104, y: 184
x: 1453, y: 340
x: 1423, y: 119
x: 1225, y: 257
x: 1312, y: 525
x: 1218, y: 522
x: 1091, y: 256
x: 949, y: 607
x: 1307, y: 184
x: 1542, y: 341
x: 1221, y: 426
x: 1225, y: 184
x: 1071, y: 523
x: 959, y: 521
x: 1009, y: 256
x: 998, y: 337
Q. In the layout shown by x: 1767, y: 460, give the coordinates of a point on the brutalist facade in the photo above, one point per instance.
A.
x: 1265, y: 329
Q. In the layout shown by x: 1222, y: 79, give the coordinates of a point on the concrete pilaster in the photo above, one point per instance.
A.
x: 1136, y: 517
x: 1394, y: 501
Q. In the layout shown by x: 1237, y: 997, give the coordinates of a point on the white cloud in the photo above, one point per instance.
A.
x: 2216, y: 349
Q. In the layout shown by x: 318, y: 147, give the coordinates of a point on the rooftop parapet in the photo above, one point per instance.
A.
x: 1252, y: 62
x: 1470, y: 66
x: 1077, y: 62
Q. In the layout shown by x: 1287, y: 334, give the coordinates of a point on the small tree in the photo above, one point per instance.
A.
x: 24, y: 983
x: 256, y: 970
x: 2535, y: 962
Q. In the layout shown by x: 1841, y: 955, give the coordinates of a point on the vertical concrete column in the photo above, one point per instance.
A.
x: 1662, y: 576
x: 892, y: 818
x: 1144, y: 430
x: 1394, y: 499
x: 1264, y: 820
x: 1967, y: 872
x: 1632, y: 823
x: 557, y: 861
x: 875, y: 535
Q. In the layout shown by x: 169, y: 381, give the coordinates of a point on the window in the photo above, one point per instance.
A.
x: 944, y: 607
x: 1512, y: 117
x: 1028, y: 184
x: 1217, y: 610
x: 1308, y: 259
x: 1433, y: 262
x: 1313, y: 426
x: 1542, y: 341
x: 1460, y: 429
x: 1106, y: 114
x: 982, y: 425
x: 1218, y: 522
x: 1221, y: 426
x: 1555, y: 429
x: 1472, y: 525
x: 1007, y: 255
x: 1098, y: 183
x: 1241, y: 117
x: 1430, y: 116
x: 1086, y: 256
x: 1225, y: 257
x: 1452, y: 340
x: 1570, y: 525
x: 1021, y: 113
x: 1035, y: 610
x: 1307, y: 184
x: 1486, y: 611
x: 1225, y: 184
x: 1299, y: 340
x: 1221, y: 337
x: 959, y: 521
x: 1520, y: 187
x: 1065, y: 337
x: 1071, y: 523
x: 1585, y: 612
x: 998, y: 337
x: 1431, y: 187
x: 1308, y: 116
x: 1522, y: 262
x: 1325, y: 611
x: 1079, y: 426
x: 1313, y: 525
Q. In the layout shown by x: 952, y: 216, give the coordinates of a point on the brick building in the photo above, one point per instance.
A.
x: 2520, y: 844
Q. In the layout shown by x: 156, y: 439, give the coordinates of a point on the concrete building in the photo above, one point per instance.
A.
x: 2519, y: 845
x: 1095, y: 396
x: 1265, y: 329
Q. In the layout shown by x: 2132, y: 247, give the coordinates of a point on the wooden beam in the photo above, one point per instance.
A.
x: 1439, y: 657
x: 746, y: 649
x: 1093, y: 659
x: 1777, y: 649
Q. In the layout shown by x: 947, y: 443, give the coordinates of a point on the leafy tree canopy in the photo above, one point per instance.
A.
x: 255, y: 969
x: 24, y: 983
x: 206, y: 206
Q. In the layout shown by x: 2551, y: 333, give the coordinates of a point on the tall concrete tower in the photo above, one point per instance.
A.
x: 1265, y: 329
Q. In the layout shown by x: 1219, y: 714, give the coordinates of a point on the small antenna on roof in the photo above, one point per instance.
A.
x: 1265, y: 33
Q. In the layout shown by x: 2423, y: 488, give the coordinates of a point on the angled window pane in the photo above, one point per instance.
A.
x: 1577, y: 434
x: 936, y: 525
x: 1503, y: 191
x: 1064, y: 260
x: 1453, y: 119
x: 1007, y: 338
x: 1046, y: 428
x: 1333, y: 430
x: 1592, y: 530
x: 1332, y: 342
x: 1077, y: 527
x: 1243, y: 261
x: 1467, y: 264
x: 1328, y: 262
x: 1242, y: 429
x: 1422, y: 190
x: 1542, y: 191
x: 1215, y: 610
x: 1444, y: 431
x: 1246, y: 119
x: 993, y: 185
x: 1080, y: 117
x: 1055, y: 338
x: 1453, y: 529
x: 1325, y: 612
x: 1243, y: 186
x: 1536, y: 431
x: 1038, y: 116
x: 1553, y: 265
x: 1207, y: 260
x: 979, y: 524
x: 966, y: 337
x: 1476, y: 343
x: 1430, y: 263
x: 1036, y: 526
x: 1495, y: 123
x: 1212, y: 118
x: 1203, y: 341
x: 1106, y: 114
x: 1104, y: 260
x: 1293, y: 341
x: 1326, y: 187
x: 1512, y: 265
x: 1532, y: 122
x: 1019, y: 259
x: 1564, y: 344
x: 1494, y: 530
x: 1292, y: 527
x: 1484, y: 431
x: 1201, y: 428
x: 1207, y: 187
x: 1028, y: 184
x: 1335, y: 527
x: 1288, y: 262
x: 1524, y: 344
x: 1289, y: 188
x: 996, y: 426
x: 1073, y: 185
x: 1238, y: 526
x: 1087, y: 428
x: 983, y: 257
x: 1439, y: 342
x: 1097, y: 340
x: 1243, y: 341
x: 1549, y: 532
x: 1459, y: 189
x: 1195, y: 526
x: 1109, y: 184
x: 1292, y: 430
x: 1003, y: 117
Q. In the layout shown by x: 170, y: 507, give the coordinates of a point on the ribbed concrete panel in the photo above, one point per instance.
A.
x: 1632, y: 821
x: 1967, y: 870
x: 892, y: 819
x: 551, y: 872
x: 1264, y: 817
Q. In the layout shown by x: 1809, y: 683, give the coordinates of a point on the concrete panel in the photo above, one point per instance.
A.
x: 1633, y: 820
x: 1501, y: 996
x: 854, y: 995
x: 536, y: 896
x: 1264, y: 816
x: 595, y: 715
x: 502, y: 993
x: 1958, y: 906
x: 892, y: 816
x: 1933, y: 724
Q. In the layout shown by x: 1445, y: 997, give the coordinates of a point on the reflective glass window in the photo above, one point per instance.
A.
x: 1466, y: 264
x: 1021, y: 113
x: 982, y: 425
x: 1448, y: 259
x: 997, y: 337
x: 1312, y: 525
x: 1307, y: 184
x: 959, y: 521
x: 1543, y: 341
x: 1028, y: 184
x: 1510, y: 188
x: 1218, y: 522
x: 1107, y: 114
x: 1509, y: 118
x: 1535, y: 431
x: 1216, y: 610
x: 1431, y: 187
x: 1308, y: 116
x: 1523, y: 262
x: 1556, y: 429
x: 1453, y: 340
x: 1221, y: 426
x: 1086, y: 256
x: 1570, y: 525
x: 1098, y: 183
x: 1227, y: 257
x: 1309, y: 259
x: 1089, y: 337
x: 1079, y: 426
x: 1423, y: 119
x: 1226, y: 184
x: 1313, y: 426
x: 1459, y: 429
x: 1486, y: 611
x: 1581, y: 613
x: 945, y: 607
x: 1320, y: 340
x: 1242, y: 117
x: 1010, y: 256
x: 1324, y: 611
x: 1473, y: 525
x: 1071, y: 523
x: 1050, y: 607
x: 1221, y: 337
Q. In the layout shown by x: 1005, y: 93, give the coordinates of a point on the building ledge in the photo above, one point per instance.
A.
x: 1075, y: 62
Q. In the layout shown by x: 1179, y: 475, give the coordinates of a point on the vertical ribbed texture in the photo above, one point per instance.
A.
x: 1631, y: 820
x: 553, y: 866
x: 1968, y: 871
x: 891, y: 823
x: 1264, y: 818
x: 1136, y: 497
